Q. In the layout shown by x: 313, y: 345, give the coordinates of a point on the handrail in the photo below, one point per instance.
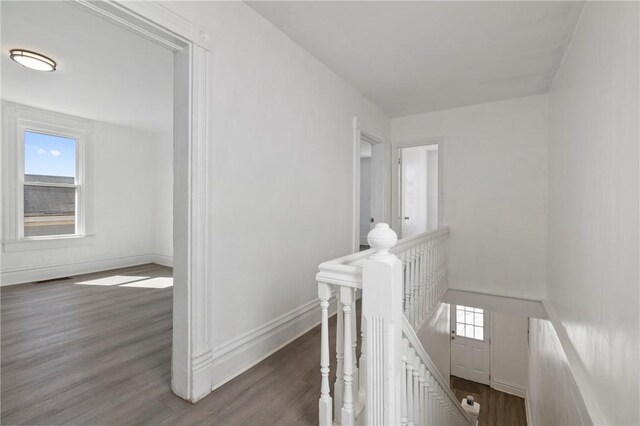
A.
x: 347, y: 270
x: 412, y: 337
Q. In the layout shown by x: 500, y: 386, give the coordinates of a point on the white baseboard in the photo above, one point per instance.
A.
x: 163, y: 259
x: 238, y: 355
x: 25, y: 274
x: 508, y: 388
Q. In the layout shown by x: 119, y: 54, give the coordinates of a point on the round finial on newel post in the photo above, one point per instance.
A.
x: 382, y: 238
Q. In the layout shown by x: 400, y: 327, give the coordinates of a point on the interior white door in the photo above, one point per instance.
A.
x: 366, y: 195
x: 470, y: 344
x: 413, y: 178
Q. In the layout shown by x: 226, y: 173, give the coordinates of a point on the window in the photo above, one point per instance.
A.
x: 50, y: 186
x: 470, y: 322
x: 46, y: 185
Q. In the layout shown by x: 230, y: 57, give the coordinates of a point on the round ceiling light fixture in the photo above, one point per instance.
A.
x: 33, y: 60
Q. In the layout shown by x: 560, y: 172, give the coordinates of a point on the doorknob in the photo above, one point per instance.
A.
x: 371, y: 220
x: 406, y: 218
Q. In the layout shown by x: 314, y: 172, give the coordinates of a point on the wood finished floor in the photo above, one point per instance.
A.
x: 496, y: 408
x: 95, y: 349
x: 76, y: 353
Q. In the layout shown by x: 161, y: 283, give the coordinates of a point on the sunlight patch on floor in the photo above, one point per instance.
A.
x: 158, y: 282
x: 113, y: 280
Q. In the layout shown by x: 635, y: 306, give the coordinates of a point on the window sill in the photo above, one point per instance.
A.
x: 48, y: 243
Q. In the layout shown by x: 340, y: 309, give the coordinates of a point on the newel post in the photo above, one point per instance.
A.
x: 382, y: 310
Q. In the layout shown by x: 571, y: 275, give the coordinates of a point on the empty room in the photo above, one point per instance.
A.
x: 319, y: 213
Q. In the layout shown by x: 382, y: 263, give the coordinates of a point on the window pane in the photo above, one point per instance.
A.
x: 48, y: 157
x: 49, y: 211
x: 469, y: 331
x: 460, y: 329
x: 468, y: 317
x: 478, y: 318
x: 479, y: 333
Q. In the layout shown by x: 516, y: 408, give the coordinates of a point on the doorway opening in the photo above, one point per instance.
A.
x: 419, y: 189
x: 368, y: 182
x: 366, y: 210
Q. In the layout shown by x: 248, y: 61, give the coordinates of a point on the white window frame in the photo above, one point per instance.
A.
x: 19, y: 119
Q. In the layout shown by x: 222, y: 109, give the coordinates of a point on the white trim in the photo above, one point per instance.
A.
x: 363, y: 130
x: 191, y: 377
x: 396, y: 147
x: 163, y: 259
x: 17, y: 120
x: 509, y: 388
x: 240, y: 354
x: 27, y: 274
x: 527, y: 409
x: 47, y: 243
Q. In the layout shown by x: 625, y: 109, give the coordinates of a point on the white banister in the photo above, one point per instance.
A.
x: 324, y: 405
x: 382, y: 312
x: 394, y: 381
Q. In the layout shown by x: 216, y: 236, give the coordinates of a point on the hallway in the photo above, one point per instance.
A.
x: 96, y: 349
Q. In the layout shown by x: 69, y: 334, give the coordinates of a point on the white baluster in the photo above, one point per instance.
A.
x: 416, y: 390
x: 362, y: 365
x: 405, y: 352
x: 338, y: 390
x: 410, y: 356
x: 348, y: 416
x: 324, y: 404
x: 354, y: 347
x: 423, y: 395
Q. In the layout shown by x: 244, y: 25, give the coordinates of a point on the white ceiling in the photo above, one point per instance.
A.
x: 415, y: 57
x: 104, y: 71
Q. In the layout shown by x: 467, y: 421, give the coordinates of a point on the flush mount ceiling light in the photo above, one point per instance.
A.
x: 33, y: 60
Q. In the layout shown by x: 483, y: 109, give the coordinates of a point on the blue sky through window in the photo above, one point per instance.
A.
x: 49, y: 155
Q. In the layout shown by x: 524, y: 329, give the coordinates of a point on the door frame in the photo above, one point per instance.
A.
x: 362, y: 129
x: 192, y: 348
x: 396, y: 181
x: 488, y: 323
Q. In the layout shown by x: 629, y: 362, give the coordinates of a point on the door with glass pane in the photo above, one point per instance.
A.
x: 470, y: 350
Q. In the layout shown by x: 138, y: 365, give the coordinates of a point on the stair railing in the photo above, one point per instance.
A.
x: 400, y: 283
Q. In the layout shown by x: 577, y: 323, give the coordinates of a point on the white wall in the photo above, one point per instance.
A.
x: 282, y: 166
x: 163, y: 197
x: 432, y: 190
x: 124, y: 217
x: 509, y: 353
x: 593, y: 213
x: 365, y: 199
x: 436, y: 338
x: 494, y: 190
x: 553, y: 396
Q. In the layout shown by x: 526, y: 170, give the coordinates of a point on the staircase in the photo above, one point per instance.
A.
x: 394, y: 381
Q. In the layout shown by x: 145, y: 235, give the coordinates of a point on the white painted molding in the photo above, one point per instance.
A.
x: 527, y: 409
x: 238, y: 355
x: 193, y: 296
x: 509, y: 388
x: 25, y: 274
x: 49, y: 243
x: 163, y: 259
